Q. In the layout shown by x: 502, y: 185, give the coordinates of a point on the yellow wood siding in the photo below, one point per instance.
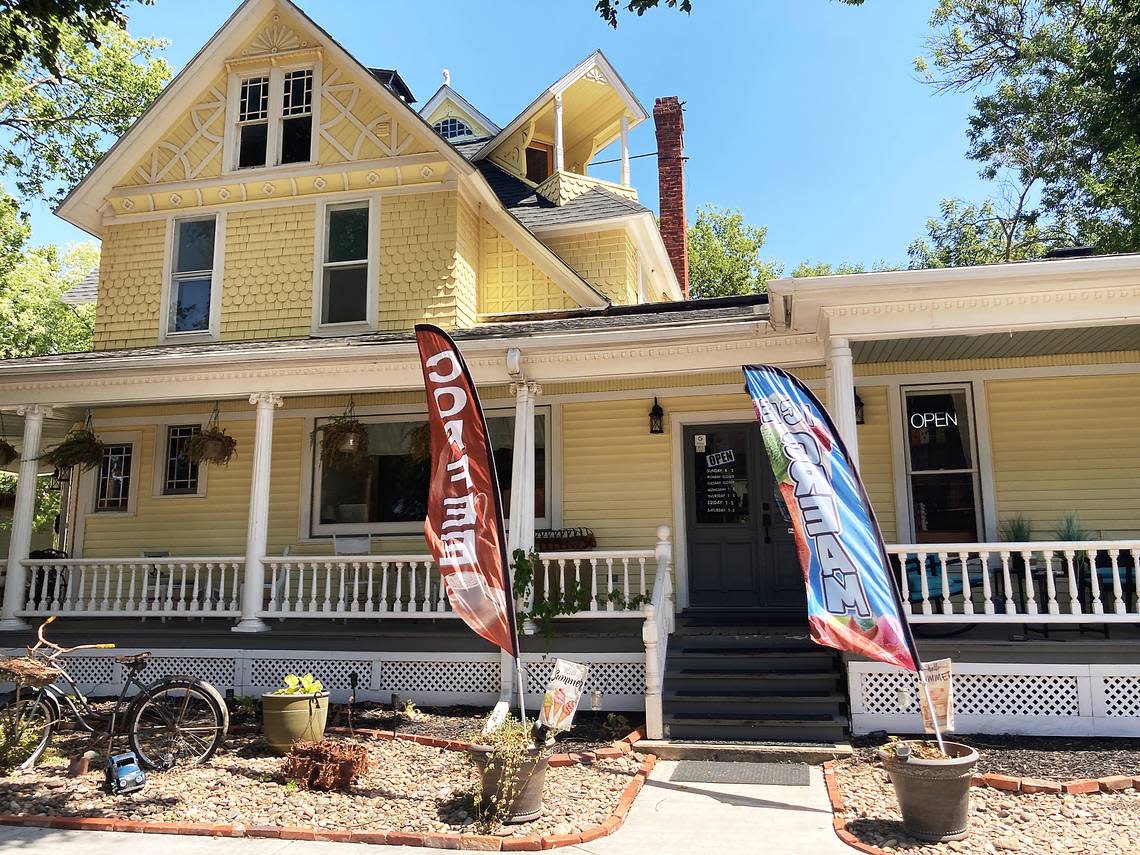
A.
x: 211, y: 525
x: 875, y: 458
x: 510, y: 282
x: 130, y: 285
x: 268, y: 277
x: 604, y: 260
x: 1063, y: 444
x: 466, y: 266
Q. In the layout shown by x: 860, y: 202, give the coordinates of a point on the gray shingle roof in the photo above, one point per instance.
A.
x: 661, y: 315
x: 84, y: 291
x: 536, y: 212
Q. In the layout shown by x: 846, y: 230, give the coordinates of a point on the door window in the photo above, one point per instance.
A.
x: 720, y: 474
x: 942, y: 464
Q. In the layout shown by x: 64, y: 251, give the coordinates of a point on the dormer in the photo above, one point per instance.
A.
x: 455, y: 118
x: 551, y: 143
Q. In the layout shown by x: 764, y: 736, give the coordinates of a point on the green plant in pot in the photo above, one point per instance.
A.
x: 511, y: 773
x: 296, y: 712
x: 80, y: 448
x: 212, y: 444
x: 932, y: 786
x: 343, y: 441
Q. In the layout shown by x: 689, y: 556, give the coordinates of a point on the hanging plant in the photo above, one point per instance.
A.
x: 212, y: 444
x: 343, y: 440
x: 80, y: 448
x: 8, y: 452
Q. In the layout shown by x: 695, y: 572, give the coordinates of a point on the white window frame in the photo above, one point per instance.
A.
x: 470, y: 132
x: 89, y: 481
x: 975, y: 471
x: 165, y: 333
x: 276, y: 74
x: 317, y: 529
x: 372, y: 305
x: 162, y: 449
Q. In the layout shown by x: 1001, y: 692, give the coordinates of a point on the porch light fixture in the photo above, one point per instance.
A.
x: 859, y: 410
x: 656, y: 418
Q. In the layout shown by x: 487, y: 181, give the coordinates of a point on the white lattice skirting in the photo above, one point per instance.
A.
x: 1036, y: 700
x: 426, y: 678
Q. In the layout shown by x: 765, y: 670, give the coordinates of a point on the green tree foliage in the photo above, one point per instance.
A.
x: 39, y: 27
x: 807, y: 269
x: 1057, y: 115
x: 966, y: 234
x: 724, y: 255
x: 609, y: 9
x: 55, y: 124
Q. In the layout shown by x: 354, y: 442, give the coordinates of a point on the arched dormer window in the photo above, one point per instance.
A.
x: 450, y: 128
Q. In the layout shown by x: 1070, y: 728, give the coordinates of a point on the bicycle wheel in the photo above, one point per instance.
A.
x: 34, y: 718
x: 176, y: 723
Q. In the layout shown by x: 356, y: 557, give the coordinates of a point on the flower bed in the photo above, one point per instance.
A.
x: 1083, y: 821
x: 418, y: 793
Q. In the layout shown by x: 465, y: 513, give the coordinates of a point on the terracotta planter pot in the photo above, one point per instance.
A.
x: 529, y: 780
x: 934, y: 795
x: 289, y: 719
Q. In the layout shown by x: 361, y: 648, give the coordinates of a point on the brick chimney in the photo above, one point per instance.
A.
x: 671, y: 182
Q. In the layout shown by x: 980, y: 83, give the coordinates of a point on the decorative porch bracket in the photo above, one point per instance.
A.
x: 23, y: 515
x: 257, y: 532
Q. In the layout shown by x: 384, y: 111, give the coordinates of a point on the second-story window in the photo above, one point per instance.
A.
x: 297, y: 117
x: 344, y: 274
x: 191, y: 286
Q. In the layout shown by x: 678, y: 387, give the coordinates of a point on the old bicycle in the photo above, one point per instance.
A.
x: 175, y: 720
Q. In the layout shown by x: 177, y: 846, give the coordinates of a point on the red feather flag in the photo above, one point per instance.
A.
x: 464, y: 525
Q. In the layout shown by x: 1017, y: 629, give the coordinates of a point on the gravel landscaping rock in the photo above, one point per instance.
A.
x: 411, y: 787
x: 1000, y: 821
x: 1050, y: 758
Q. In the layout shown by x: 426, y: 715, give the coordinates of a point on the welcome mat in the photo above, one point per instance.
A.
x: 714, y: 772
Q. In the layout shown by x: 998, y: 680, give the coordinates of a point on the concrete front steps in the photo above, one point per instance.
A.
x: 732, y: 678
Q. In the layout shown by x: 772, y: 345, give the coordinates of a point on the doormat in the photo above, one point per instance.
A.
x: 714, y: 772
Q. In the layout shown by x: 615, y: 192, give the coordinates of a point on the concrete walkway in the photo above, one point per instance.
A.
x: 667, y: 819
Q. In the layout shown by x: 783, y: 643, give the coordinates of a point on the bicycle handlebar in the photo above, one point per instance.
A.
x: 59, y: 651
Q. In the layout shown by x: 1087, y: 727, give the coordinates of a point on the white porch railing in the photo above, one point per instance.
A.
x: 659, y: 625
x: 1047, y: 582
x: 134, y: 586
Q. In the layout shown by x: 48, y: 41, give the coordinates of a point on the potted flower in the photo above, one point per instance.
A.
x: 932, y: 786
x: 296, y: 712
x: 343, y: 440
x: 512, y: 771
x: 80, y: 448
x: 212, y: 444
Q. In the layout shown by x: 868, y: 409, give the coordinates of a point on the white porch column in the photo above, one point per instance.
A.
x: 625, y: 150
x: 253, y: 588
x: 841, y: 393
x: 559, y: 155
x: 22, y: 516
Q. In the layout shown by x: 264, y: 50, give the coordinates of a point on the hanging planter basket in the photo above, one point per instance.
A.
x: 343, y: 441
x: 8, y: 452
x: 80, y: 448
x: 212, y: 445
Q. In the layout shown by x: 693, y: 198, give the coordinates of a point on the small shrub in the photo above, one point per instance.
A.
x: 294, y: 685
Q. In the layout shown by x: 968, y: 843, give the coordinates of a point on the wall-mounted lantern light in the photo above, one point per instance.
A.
x: 858, y: 410
x: 656, y: 418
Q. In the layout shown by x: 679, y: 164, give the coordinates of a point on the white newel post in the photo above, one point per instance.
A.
x: 658, y: 616
x: 664, y: 553
x: 257, y: 532
x: 841, y: 394
x: 22, y: 516
x: 559, y: 155
x: 625, y: 150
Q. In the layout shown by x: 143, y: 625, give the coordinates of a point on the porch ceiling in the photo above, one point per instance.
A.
x: 993, y: 345
x: 54, y: 430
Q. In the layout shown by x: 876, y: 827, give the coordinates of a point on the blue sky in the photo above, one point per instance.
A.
x: 805, y: 114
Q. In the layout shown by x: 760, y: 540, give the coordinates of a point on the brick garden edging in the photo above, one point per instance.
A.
x: 442, y: 840
x: 1112, y: 783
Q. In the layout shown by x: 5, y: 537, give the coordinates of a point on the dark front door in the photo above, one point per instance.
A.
x: 741, y: 549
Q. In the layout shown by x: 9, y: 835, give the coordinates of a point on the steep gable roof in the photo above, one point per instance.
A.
x: 536, y: 212
x: 446, y: 93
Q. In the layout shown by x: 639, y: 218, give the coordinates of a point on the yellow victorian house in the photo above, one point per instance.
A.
x: 272, y: 228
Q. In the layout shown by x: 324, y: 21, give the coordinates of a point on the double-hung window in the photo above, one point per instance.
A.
x: 180, y: 476
x: 193, y: 282
x: 113, y: 488
x: 346, y: 278
x: 274, y: 122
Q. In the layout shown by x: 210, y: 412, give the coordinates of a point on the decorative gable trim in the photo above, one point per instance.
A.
x: 446, y: 94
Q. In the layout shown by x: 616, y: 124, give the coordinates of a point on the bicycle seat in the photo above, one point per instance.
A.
x: 134, y: 661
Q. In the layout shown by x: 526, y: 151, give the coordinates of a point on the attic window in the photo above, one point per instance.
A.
x: 297, y: 117
x: 451, y: 128
x: 253, y: 122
